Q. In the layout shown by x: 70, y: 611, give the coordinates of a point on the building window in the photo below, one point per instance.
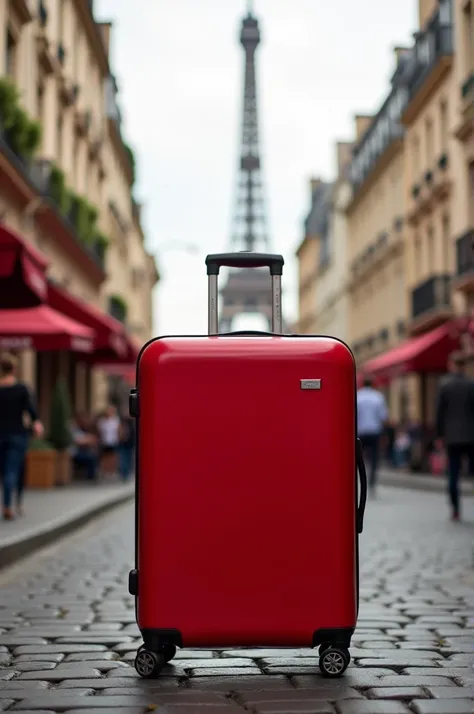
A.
x: 59, y: 128
x: 443, y: 124
x: 10, y: 59
x: 416, y: 158
x: 431, y: 250
x: 418, y: 266
x: 468, y: 26
x: 429, y: 142
x: 446, y: 244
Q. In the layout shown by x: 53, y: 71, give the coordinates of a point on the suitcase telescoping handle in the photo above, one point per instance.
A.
x: 363, y: 486
x: 216, y: 261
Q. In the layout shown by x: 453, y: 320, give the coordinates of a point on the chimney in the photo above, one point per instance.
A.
x: 105, y: 29
x: 426, y: 8
x: 362, y: 122
x: 343, y: 156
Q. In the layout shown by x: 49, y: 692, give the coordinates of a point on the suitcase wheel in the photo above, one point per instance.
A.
x: 333, y: 660
x: 149, y: 664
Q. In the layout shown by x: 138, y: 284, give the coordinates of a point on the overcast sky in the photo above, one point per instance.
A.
x: 180, y: 71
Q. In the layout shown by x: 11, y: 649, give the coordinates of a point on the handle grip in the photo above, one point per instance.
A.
x: 363, y: 486
x: 216, y: 261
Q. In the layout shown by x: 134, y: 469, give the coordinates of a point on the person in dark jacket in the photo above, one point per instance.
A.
x: 126, y: 447
x: 16, y: 402
x: 455, y: 425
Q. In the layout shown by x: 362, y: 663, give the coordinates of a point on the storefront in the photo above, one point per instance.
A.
x: 52, y: 331
x: 416, y: 368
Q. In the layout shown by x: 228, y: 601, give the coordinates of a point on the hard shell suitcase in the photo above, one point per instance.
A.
x: 247, y: 505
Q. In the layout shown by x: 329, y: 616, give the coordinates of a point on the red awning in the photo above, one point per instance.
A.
x: 22, y: 272
x: 110, y: 339
x: 425, y: 353
x: 42, y: 328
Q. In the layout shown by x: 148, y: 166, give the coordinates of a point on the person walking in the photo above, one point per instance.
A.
x: 372, y: 414
x: 126, y: 447
x: 108, y: 427
x: 15, y: 403
x: 455, y: 425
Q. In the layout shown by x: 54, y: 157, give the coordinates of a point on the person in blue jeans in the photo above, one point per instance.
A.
x: 126, y: 450
x: 15, y: 402
x: 84, y: 450
x: 372, y: 415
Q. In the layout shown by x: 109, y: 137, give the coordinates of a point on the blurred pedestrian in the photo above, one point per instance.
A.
x: 372, y: 415
x: 16, y: 401
x: 402, y: 447
x: 126, y: 448
x: 108, y: 427
x: 85, y: 446
x: 455, y: 425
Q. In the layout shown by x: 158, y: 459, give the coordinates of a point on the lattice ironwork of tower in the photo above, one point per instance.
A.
x: 248, y: 291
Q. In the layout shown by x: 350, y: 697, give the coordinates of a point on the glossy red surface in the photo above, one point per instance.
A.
x: 247, y: 489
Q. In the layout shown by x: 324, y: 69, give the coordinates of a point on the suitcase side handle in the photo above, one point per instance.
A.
x: 245, y: 259
x: 363, y: 486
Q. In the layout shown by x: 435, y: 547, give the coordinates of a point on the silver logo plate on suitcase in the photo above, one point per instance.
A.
x: 310, y: 384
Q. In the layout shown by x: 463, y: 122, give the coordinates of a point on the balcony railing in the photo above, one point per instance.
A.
x: 467, y: 89
x: 430, y: 45
x: 465, y: 254
x: 432, y: 295
x: 384, y: 130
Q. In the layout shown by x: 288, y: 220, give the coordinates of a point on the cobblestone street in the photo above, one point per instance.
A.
x: 68, y: 635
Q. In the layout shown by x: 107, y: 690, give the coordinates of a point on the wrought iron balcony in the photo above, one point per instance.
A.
x: 465, y: 255
x: 435, y: 42
x: 431, y: 297
x: 467, y: 89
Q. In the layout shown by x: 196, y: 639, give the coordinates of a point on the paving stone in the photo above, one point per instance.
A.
x: 91, y: 657
x: 33, y: 666
x: 403, y: 693
x: 106, y: 683
x: 403, y: 680
x: 239, y: 683
x: 397, y: 663
x: 51, y: 649
x: 64, y: 703
x: 226, y: 672
x: 372, y: 707
x: 198, y: 709
x: 443, y: 706
x: 59, y: 674
x: 450, y: 692
x: 323, y: 693
x: 304, y: 707
x: 353, y: 677
x: 46, y: 657
x: 125, y: 710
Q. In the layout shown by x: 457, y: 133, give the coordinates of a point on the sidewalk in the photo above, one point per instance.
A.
x: 420, y: 481
x: 53, y: 513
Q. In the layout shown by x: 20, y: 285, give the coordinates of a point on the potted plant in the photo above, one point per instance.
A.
x: 60, y: 432
x: 40, y: 467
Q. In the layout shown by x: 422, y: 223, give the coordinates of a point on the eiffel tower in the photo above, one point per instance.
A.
x: 248, y: 291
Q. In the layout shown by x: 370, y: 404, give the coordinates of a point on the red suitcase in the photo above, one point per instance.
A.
x: 247, y: 514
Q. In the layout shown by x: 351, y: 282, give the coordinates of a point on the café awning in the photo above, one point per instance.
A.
x: 110, y: 337
x: 424, y: 353
x: 41, y: 328
x: 22, y: 272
